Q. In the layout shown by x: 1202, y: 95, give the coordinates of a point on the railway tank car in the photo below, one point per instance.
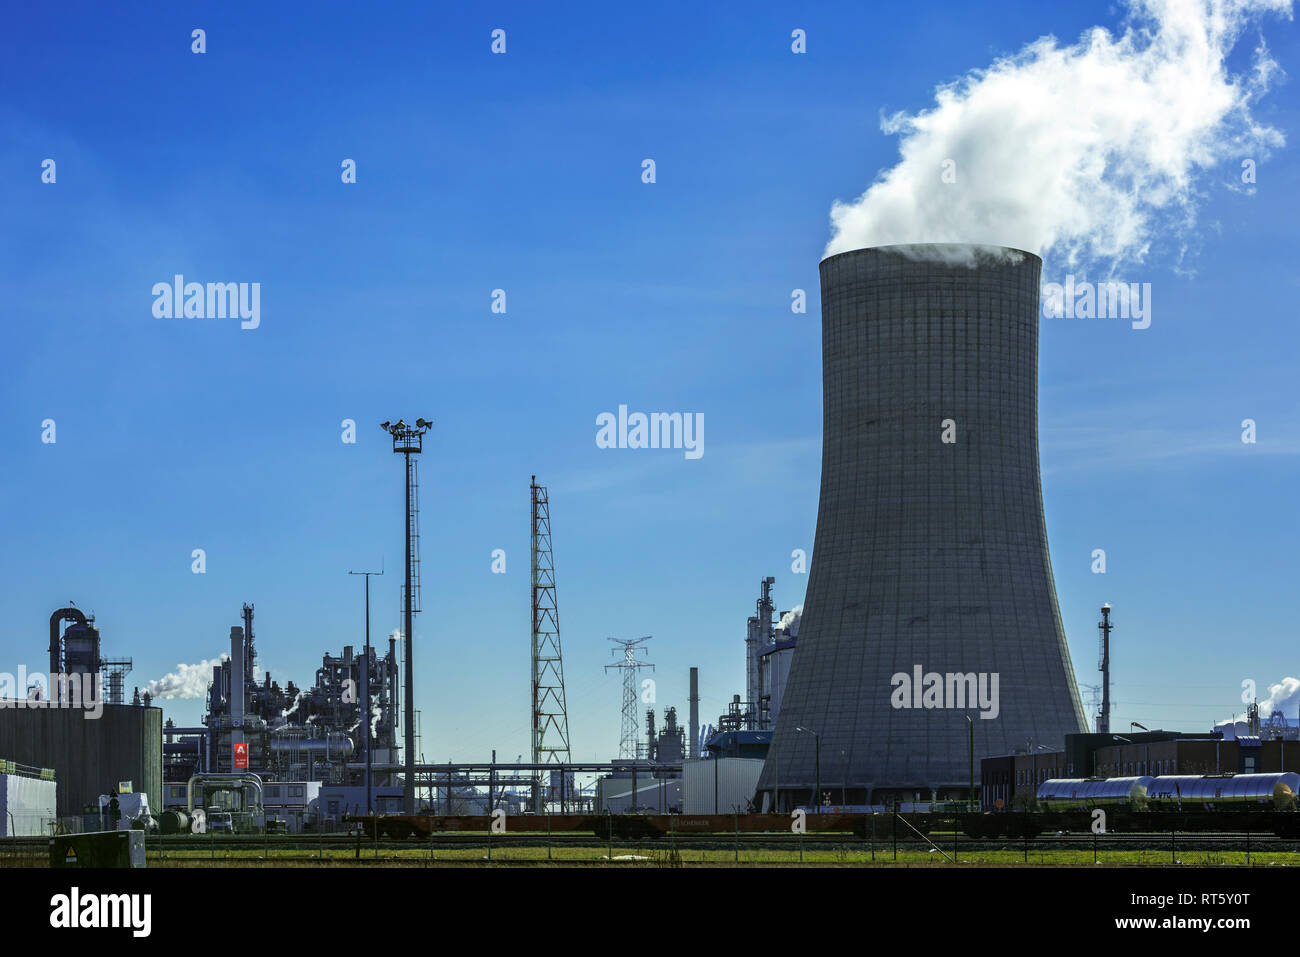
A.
x: 1083, y: 794
x: 1225, y: 792
x: 1174, y: 802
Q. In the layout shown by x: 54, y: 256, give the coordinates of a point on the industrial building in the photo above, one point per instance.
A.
x: 89, y: 757
x: 640, y: 784
x: 91, y: 744
x: 309, y: 734
x: 626, y: 791
x: 720, y: 785
x: 1011, y: 780
x: 930, y: 556
x: 722, y: 769
x: 769, y: 647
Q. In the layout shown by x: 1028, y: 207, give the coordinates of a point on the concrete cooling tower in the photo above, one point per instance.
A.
x: 930, y: 596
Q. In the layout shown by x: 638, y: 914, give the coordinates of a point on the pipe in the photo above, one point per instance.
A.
x: 334, y: 744
x: 391, y: 681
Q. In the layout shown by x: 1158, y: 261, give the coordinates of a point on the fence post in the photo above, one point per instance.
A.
x: 1248, y: 847
x: 1173, y: 847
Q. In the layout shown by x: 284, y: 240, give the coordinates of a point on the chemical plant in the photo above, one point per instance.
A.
x: 930, y: 560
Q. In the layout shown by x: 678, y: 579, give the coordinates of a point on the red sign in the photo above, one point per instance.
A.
x: 241, y: 757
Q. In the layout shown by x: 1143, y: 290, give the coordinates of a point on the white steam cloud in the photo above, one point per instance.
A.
x: 293, y: 707
x: 1281, y: 697
x: 1088, y: 151
x: 790, y: 621
x: 187, y: 681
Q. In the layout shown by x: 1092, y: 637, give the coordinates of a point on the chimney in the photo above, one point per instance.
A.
x: 236, y: 689
x: 693, y: 745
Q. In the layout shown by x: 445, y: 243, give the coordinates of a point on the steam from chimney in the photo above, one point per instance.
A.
x: 1088, y: 151
x: 293, y: 707
x: 1281, y: 697
x: 790, y: 621
x: 187, y: 681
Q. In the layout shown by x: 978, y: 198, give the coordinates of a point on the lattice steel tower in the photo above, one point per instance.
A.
x: 550, y: 714
x: 628, y: 647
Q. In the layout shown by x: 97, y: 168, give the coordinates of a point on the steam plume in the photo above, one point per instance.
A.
x: 1088, y: 151
x: 187, y: 681
x: 790, y: 621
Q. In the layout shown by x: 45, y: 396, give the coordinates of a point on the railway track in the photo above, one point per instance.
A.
x: 335, y: 844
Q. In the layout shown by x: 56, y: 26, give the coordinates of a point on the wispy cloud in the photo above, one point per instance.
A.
x: 1066, y: 449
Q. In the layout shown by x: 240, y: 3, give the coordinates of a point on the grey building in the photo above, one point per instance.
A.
x: 90, y: 756
x: 930, y: 577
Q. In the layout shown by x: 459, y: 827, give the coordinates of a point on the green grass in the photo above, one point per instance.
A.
x: 531, y: 850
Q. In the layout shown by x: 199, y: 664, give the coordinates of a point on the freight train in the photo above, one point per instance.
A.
x: 1184, y: 802
x: 1212, y: 802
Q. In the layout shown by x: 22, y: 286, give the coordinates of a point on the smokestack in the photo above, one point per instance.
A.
x: 236, y: 690
x: 693, y: 745
x: 931, y: 583
x: 392, y: 697
x: 1103, y: 665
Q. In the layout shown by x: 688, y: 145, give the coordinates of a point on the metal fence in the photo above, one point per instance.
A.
x: 737, y: 849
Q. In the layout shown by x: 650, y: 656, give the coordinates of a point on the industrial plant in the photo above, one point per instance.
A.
x: 924, y: 673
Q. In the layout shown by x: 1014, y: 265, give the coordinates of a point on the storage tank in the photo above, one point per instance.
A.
x: 930, y: 556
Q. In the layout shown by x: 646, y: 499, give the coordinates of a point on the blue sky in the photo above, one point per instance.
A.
x: 523, y: 172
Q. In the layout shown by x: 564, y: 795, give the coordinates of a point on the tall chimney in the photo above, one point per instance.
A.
x: 693, y: 745
x: 236, y: 690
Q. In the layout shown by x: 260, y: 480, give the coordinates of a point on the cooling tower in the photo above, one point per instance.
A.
x: 930, y: 595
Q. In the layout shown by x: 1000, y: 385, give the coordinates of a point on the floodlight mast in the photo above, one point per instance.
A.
x: 408, y: 440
